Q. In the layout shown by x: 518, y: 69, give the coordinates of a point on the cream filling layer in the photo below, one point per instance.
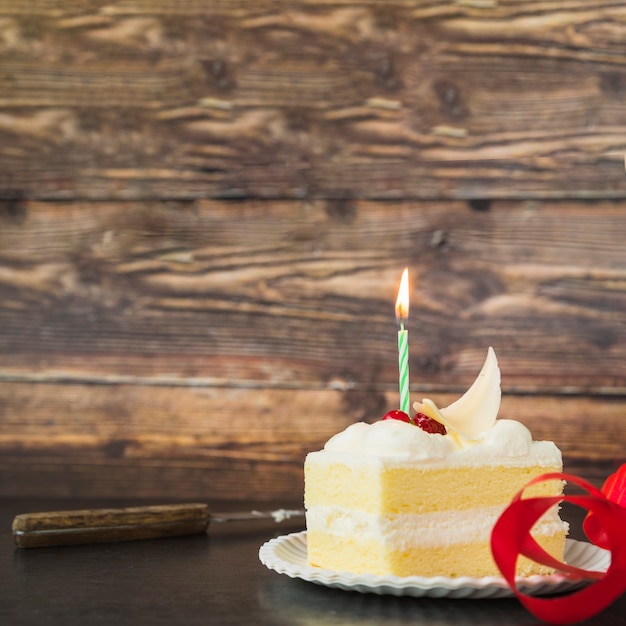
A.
x: 405, y: 531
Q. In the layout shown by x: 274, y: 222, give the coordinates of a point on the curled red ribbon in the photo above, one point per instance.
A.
x: 614, y: 489
x: 604, y: 525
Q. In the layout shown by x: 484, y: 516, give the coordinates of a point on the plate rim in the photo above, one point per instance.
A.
x: 438, y: 586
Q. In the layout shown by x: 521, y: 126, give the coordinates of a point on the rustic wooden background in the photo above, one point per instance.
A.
x: 206, y: 205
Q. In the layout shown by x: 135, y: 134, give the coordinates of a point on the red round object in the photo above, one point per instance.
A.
x: 429, y: 424
x: 397, y: 415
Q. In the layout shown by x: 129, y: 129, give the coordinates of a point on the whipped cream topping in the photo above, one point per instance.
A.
x: 394, y: 439
x: 390, y: 438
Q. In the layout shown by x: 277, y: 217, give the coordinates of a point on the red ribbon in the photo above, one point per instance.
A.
x: 605, y: 526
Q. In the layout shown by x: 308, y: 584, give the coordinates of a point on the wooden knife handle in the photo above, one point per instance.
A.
x: 57, y: 528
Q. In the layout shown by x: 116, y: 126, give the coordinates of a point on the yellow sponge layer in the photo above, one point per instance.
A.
x: 373, y: 489
x: 370, y: 557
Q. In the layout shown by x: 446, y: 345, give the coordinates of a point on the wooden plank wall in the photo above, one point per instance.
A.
x: 206, y: 205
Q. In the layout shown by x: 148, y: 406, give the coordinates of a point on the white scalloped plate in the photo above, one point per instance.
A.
x: 287, y: 555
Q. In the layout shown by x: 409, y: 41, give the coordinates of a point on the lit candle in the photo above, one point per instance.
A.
x: 402, y: 314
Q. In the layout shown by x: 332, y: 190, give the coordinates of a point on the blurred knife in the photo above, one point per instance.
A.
x: 58, y: 528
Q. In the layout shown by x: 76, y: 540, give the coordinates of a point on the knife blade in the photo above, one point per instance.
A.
x: 83, y: 526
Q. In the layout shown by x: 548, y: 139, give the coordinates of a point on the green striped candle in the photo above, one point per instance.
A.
x: 402, y: 313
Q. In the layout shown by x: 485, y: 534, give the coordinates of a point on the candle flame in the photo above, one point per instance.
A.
x: 402, y: 302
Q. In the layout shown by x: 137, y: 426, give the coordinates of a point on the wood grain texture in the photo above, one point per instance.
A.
x: 86, y: 526
x: 366, y: 99
x: 205, y: 207
x: 289, y: 294
x: 204, y: 348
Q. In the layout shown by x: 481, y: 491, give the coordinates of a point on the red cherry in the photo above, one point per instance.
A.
x: 397, y: 415
x: 429, y: 424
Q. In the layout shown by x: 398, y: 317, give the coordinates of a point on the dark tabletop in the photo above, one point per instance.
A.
x: 208, y: 579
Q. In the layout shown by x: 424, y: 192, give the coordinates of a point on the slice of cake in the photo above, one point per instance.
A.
x: 395, y: 497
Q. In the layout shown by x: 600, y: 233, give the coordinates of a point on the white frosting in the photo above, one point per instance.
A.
x: 390, y: 438
x: 401, y: 532
x: 507, y: 442
x: 508, y: 436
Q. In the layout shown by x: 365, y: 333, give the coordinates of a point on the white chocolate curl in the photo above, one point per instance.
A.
x: 476, y: 410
